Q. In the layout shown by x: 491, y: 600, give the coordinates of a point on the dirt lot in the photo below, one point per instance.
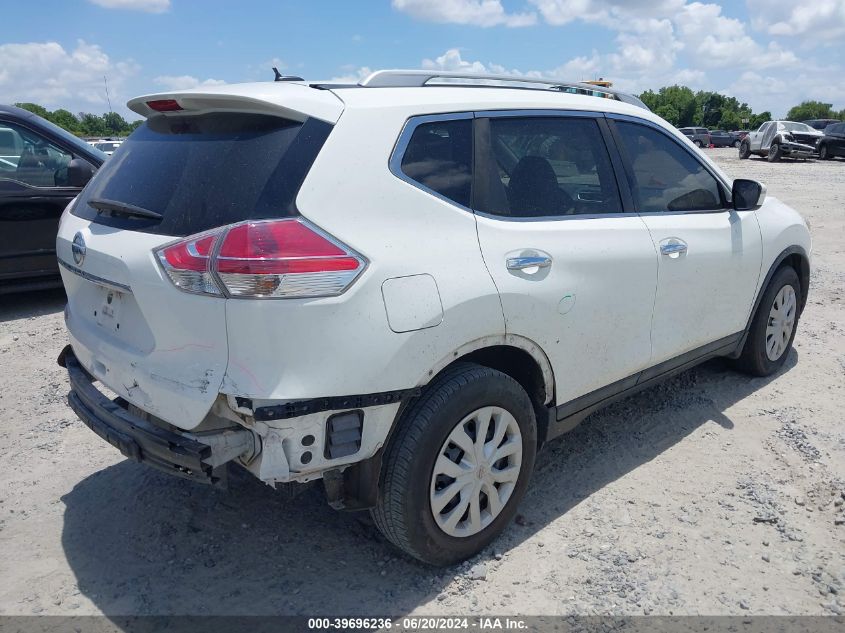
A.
x: 712, y: 494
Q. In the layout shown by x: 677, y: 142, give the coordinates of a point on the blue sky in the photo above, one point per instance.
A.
x: 770, y: 53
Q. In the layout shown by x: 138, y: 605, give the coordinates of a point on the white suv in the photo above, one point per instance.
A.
x: 407, y: 286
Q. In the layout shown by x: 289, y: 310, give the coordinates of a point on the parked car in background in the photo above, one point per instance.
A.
x: 498, y: 264
x: 833, y: 142
x: 820, y: 124
x: 738, y: 135
x: 778, y: 139
x: 721, y: 138
x: 42, y: 168
x: 698, y: 135
x: 108, y: 147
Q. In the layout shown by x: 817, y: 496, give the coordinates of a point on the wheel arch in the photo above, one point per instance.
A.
x: 794, y: 256
x: 494, y: 350
x: 520, y: 358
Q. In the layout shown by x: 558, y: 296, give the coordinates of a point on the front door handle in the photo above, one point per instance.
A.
x: 673, y: 247
x: 534, y: 261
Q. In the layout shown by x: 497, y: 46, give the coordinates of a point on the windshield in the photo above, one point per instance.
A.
x: 200, y: 172
x: 791, y: 126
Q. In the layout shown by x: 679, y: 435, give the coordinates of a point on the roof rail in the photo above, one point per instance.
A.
x: 419, y: 78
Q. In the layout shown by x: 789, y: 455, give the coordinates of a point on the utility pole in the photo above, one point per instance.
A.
x: 108, y: 99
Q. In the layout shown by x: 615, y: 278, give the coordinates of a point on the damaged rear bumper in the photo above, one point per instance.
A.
x: 141, y: 440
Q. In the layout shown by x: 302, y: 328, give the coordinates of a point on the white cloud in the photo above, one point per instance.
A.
x: 352, y: 75
x: 46, y: 73
x: 148, y: 6
x: 475, y: 12
x: 713, y: 40
x: 185, y: 82
x: 616, y: 14
x: 819, y: 19
x: 451, y: 61
x: 778, y: 93
x: 649, y: 45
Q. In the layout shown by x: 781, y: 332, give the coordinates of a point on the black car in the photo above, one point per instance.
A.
x: 42, y: 168
x: 820, y: 124
x: 833, y: 142
x: 720, y: 138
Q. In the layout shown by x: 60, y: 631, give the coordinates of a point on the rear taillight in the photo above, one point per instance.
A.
x: 164, y: 105
x: 262, y: 259
x: 188, y: 264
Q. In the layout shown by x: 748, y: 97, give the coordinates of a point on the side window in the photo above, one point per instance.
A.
x: 28, y: 158
x: 548, y: 166
x: 439, y: 156
x: 667, y: 177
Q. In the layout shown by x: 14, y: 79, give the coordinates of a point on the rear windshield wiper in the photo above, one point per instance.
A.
x: 122, y: 208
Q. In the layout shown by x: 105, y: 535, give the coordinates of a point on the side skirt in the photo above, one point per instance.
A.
x: 568, y: 415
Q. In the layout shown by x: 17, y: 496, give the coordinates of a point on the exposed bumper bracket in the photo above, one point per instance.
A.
x: 339, y: 403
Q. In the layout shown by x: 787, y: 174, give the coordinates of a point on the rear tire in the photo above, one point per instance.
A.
x: 744, y: 150
x: 824, y: 154
x: 737, y: 143
x: 698, y: 143
x: 425, y: 448
x: 774, y: 325
x: 774, y: 153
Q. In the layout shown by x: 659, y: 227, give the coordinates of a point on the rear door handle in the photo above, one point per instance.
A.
x: 532, y: 261
x: 673, y: 247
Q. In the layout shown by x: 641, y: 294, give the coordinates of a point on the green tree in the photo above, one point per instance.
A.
x: 682, y: 107
x: 65, y: 119
x: 709, y: 107
x: 85, y: 123
x: 651, y: 99
x: 757, y: 120
x: 684, y: 101
x: 668, y: 112
x: 91, y: 125
x: 34, y: 108
x: 731, y: 120
x: 115, y: 124
x: 811, y: 110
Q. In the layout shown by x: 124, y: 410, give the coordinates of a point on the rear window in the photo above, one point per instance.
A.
x: 201, y: 172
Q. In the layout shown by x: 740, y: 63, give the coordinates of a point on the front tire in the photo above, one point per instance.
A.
x: 774, y: 325
x: 737, y: 143
x: 698, y: 144
x: 824, y: 154
x: 458, y: 465
x: 744, y: 150
x: 774, y: 153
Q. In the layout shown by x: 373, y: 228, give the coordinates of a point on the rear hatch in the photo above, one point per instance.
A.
x: 217, y: 160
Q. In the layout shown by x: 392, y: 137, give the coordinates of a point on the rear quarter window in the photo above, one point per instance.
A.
x: 201, y: 172
x: 439, y: 157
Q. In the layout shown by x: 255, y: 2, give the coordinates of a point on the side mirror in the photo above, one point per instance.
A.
x: 747, y: 195
x: 79, y: 172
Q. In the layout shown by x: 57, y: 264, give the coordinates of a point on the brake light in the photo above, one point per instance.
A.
x: 262, y: 259
x: 164, y: 105
x: 188, y: 264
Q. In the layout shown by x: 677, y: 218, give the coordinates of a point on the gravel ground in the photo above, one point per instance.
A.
x: 714, y: 493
